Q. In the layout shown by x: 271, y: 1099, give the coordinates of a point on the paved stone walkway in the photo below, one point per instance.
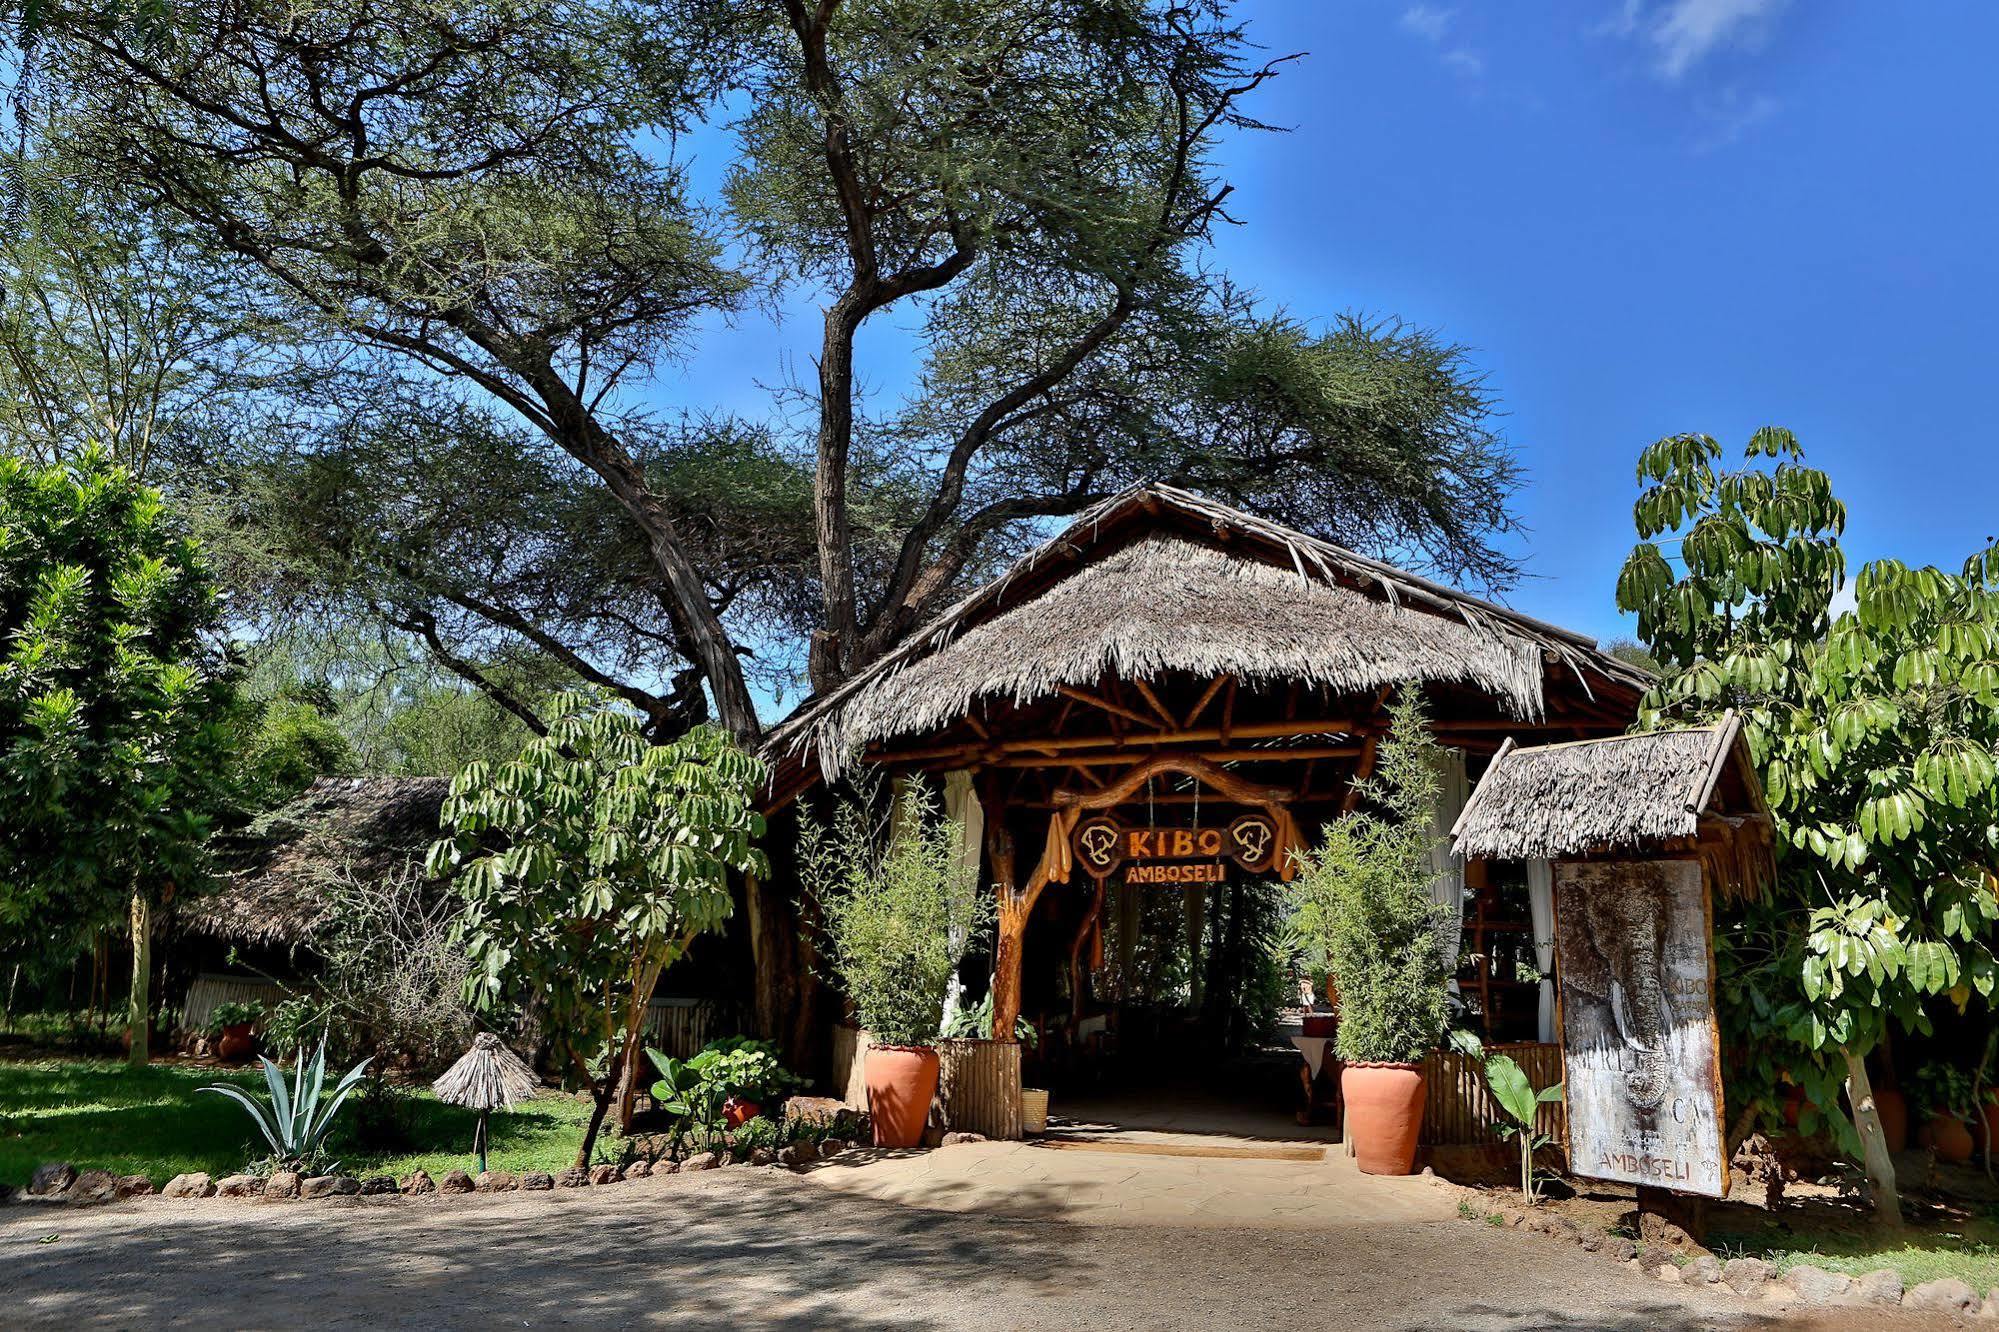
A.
x: 758, y: 1249
x: 1114, y: 1188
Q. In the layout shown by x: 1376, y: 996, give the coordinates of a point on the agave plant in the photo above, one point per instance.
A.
x: 296, y: 1121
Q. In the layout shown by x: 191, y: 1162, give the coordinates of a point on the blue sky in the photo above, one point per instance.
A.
x: 1643, y: 218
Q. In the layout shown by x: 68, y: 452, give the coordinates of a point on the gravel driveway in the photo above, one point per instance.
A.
x: 758, y: 1249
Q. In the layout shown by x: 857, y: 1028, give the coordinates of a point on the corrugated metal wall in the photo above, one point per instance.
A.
x: 1459, y: 1109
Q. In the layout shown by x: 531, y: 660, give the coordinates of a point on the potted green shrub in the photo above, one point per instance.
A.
x: 1944, y: 1095
x: 899, y: 909
x: 1364, y: 896
x: 230, y: 1025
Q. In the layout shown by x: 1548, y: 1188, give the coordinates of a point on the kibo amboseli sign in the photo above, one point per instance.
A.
x: 1172, y: 856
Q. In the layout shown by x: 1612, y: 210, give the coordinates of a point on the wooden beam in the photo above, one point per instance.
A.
x: 1293, y: 753
x: 1152, y: 699
x: 1115, y: 709
x: 1268, y: 730
x: 1207, y: 697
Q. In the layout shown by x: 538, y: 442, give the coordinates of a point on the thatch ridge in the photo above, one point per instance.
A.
x: 1110, y: 594
x: 1617, y: 793
x: 276, y: 872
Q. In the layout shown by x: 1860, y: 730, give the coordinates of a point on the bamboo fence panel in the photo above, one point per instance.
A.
x: 680, y: 1027
x: 978, y: 1082
x: 210, y: 991
x: 1458, y: 1108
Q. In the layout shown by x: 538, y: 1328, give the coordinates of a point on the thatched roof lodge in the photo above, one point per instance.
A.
x: 276, y: 872
x: 1158, y: 583
x: 1163, y: 660
x: 1652, y: 792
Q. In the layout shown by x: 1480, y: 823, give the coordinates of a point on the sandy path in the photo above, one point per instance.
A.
x: 760, y: 1249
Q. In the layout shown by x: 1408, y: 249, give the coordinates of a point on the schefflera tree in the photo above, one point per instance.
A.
x: 588, y: 865
x: 1874, y: 732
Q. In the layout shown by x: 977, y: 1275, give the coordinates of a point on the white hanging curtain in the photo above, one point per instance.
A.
x: 961, y: 807
x: 1447, y: 888
x: 1541, y: 902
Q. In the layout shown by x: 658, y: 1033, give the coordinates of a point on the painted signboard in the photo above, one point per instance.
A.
x: 1639, y: 1042
x: 1101, y: 844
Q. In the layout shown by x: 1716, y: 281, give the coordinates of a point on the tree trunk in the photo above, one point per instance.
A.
x: 1196, y: 905
x: 139, y: 1014
x: 1874, y: 1145
x: 602, y: 1095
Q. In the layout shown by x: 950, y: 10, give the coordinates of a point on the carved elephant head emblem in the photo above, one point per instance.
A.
x: 1099, y: 843
x: 1253, y: 836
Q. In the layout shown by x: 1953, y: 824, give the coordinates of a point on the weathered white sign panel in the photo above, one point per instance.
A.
x: 1639, y: 1043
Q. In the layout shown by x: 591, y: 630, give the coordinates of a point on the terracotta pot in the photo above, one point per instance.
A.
x: 1384, y: 1115
x: 1892, y: 1108
x: 902, y: 1080
x: 737, y: 1112
x: 236, y: 1042
x: 1951, y: 1139
x: 1321, y: 1024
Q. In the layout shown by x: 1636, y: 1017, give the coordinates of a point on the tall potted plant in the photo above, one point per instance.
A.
x: 1364, y: 895
x: 894, y: 895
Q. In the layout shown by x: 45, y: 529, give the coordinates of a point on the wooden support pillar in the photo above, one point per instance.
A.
x: 1196, y: 907
x: 1091, y: 924
x: 1011, y: 933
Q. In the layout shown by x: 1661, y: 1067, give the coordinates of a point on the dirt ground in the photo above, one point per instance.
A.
x: 765, y: 1249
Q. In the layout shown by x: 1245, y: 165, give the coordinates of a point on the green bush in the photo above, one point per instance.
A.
x: 900, y: 909
x: 1364, y: 897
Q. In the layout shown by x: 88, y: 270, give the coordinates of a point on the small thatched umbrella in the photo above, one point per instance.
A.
x: 489, y: 1077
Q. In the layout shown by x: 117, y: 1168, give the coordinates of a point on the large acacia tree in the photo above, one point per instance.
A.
x: 482, y: 215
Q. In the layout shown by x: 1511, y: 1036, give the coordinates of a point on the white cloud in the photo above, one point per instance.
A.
x: 1433, y: 24
x: 1844, y: 600
x: 1683, y: 33
x: 1465, y: 61
x: 1731, y: 115
x: 1430, y: 22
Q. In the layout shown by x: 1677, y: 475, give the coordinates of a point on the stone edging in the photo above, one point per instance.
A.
x: 61, y: 1183
x: 1750, y: 1278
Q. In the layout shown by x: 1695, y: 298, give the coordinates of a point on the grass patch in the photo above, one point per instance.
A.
x: 102, y: 1114
x: 1970, y: 1253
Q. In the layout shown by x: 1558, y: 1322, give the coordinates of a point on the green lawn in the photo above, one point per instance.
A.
x: 1969, y: 1252
x: 103, y: 1114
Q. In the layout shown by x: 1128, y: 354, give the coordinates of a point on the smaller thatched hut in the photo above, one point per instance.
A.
x: 277, y: 879
x: 1692, y: 793
x: 276, y: 871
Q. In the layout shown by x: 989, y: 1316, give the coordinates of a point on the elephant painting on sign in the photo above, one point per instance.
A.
x: 1616, y: 999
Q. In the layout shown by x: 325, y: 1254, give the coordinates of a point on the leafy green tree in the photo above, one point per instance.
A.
x: 290, y: 744
x: 115, y: 725
x: 1363, y: 897
x: 1875, y: 732
x: 588, y: 865
x: 499, y: 194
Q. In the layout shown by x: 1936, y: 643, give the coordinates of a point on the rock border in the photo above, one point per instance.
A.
x: 1747, y: 1277
x: 60, y: 1183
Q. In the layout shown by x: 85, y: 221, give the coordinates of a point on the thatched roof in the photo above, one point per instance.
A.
x: 276, y: 871
x: 489, y: 1076
x: 1623, y: 793
x: 1159, y: 579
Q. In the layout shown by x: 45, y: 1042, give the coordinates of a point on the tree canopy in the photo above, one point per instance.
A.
x: 476, y: 228
x: 116, y: 714
x: 1876, y: 731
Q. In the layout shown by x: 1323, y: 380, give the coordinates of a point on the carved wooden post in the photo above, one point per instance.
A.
x: 1011, y: 934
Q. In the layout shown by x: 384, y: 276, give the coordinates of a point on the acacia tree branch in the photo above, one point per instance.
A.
x: 913, y: 583
x: 424, y: 625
